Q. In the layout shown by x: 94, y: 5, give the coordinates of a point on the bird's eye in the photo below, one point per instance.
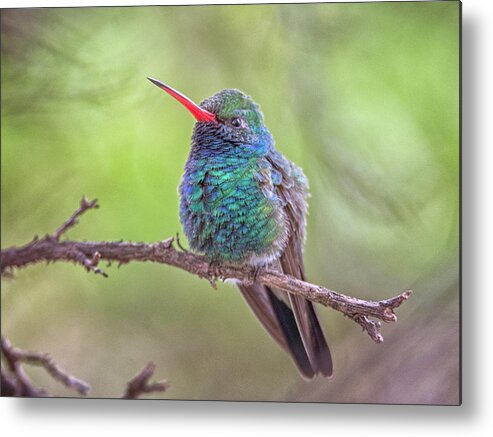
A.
x: 236, y: 122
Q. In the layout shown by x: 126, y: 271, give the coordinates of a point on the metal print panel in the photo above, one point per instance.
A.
x: 270, y: 202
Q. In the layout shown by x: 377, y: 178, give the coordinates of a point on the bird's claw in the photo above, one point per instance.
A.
x: 254, y: 274
x: 214, y: 270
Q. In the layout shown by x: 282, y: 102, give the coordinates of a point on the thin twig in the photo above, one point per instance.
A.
x: 9, y: 385
x: 91, y: 264
x: 16, y: 357
x: 72, y: 220
x: 18, y: 384
x: 89, y: 254
x: 139, y: 384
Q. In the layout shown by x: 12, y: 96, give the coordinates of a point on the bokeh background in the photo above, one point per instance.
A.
x: 365, y: 97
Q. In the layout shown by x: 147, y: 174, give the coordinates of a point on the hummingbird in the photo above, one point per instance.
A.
x: 243, y: 203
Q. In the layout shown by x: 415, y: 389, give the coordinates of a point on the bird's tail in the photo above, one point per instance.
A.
x: 296, y: 329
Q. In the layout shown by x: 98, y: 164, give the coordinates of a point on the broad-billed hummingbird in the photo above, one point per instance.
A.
x: 243, y: 203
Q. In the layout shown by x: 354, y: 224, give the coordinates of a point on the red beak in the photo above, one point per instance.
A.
x: 199, y: 113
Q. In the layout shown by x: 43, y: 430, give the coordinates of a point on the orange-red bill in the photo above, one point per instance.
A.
x: 199, y: 113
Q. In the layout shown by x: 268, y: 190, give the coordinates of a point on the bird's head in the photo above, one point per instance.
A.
x: 227, y: 117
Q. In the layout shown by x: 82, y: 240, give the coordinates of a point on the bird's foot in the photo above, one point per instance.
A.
x: 254, y: 274
x: 178, y: 243
x: 214, y: 270
x: 214, y: 273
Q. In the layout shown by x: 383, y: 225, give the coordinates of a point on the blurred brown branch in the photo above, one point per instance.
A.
x: 16, y: 383
x: 19, y: 384
x: 139, y: 384
x: 88, y: 254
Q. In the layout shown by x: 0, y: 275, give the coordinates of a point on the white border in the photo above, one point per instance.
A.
x: 55, y: 417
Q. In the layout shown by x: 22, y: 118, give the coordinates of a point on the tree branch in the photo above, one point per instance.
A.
x: 19, y: 384
x: 72, y: 220
x: 139, y: 384
x: 88, y: 254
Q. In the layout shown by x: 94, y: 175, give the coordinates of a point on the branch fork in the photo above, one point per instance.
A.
x: 19, y: 384
x: 140, y: 384
x: 16, y: 382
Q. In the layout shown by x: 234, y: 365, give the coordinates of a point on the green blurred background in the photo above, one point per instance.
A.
x: 363, y: 96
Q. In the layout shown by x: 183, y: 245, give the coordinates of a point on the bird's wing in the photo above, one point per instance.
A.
x: 291, y: 321
x: 257, y: 296
x: 293, y: 190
